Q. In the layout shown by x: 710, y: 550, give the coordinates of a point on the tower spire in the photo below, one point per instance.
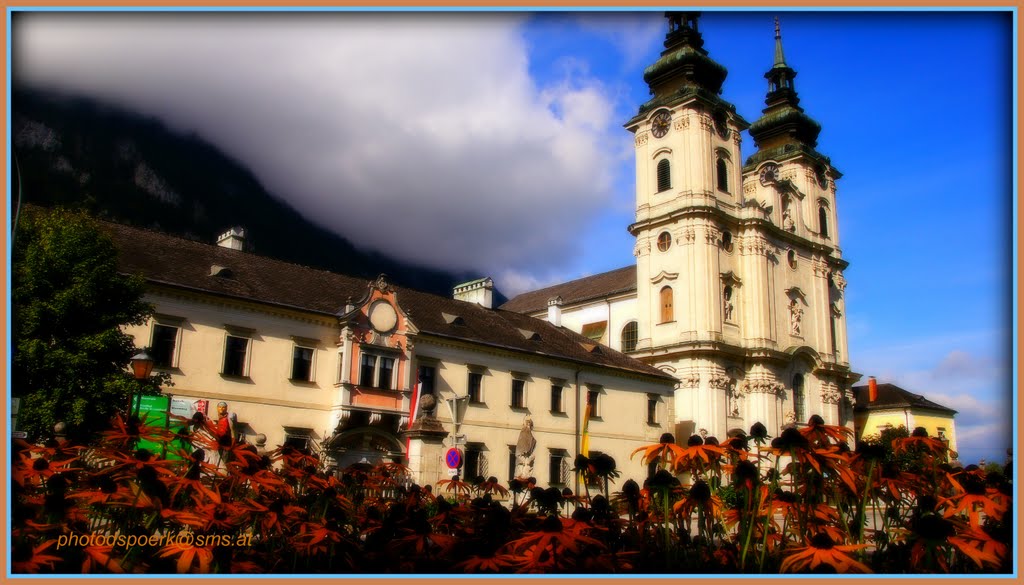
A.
x: 780, y: 59
x: 783, y: 120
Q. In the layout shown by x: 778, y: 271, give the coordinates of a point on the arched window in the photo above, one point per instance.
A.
x: 666, y: 304
x: 664, y: 175
x: 798, y: 399
x: 722, y: 172
x: 823, y: 221
x: 630, y: 334
x: 727, y: 241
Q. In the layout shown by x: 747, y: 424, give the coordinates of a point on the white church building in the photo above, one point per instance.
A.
x: 738, y: 288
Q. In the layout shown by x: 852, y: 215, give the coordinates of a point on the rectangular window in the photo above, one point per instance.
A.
x: 425, y: 375
x: 376, y: 371
x: 236, y: 354
x: 592, y: 403
x: 652, y: 409
x: 385, y: 373
x: 302, y: 364
x: 556, y: 399
x: 367, y: 367
x: 164, y: 348
x: 300, y: 442
x: 511, y: 462
x: 475, y: 383
x: 518, y: 393
x: 557, y: 468
x: 473, y: 466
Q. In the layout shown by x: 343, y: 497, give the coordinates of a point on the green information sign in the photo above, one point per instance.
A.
x: 154, y: 410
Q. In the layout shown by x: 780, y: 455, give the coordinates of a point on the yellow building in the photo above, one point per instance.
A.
x: 890, y: 406
x: 306, y: 358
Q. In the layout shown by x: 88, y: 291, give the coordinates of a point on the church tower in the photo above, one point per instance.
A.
x: 739, y: 284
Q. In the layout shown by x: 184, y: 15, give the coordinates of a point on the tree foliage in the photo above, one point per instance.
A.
x: 68, y: 304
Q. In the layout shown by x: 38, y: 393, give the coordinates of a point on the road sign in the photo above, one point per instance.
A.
x: 453, y: 458
x: 453, y: 472
x: 460, y: 439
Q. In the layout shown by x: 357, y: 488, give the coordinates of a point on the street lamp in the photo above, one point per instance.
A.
x: 142, y: 366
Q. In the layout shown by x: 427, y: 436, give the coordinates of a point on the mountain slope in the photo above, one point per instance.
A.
x: 119, y: 166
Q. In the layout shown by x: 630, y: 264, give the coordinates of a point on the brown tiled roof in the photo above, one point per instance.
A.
x: 617, y: 281
x: 892, y: 396
x: 180, y: 263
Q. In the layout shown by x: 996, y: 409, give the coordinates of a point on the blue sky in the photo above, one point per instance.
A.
x: 916, y: 112
x: 514, y: 162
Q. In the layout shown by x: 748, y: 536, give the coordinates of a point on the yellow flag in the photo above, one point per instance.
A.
x: 585, y: 437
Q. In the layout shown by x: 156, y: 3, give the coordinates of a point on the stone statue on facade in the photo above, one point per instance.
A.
x: 734, y: 399
x: 727, y: 305
x: 795, y: 316
x: 790, y: 418
x: 524, y: 450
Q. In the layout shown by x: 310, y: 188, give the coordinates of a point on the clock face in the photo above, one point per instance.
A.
x: 383, y: 317
x: 660, y: 123
x: 769, y: 174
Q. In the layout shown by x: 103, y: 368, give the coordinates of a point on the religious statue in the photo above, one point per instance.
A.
x: 524, y: 449
x: 223, y: 428
x: 727, y: 303
x: 795, y: 315
x: 734, y: 399
x: 787, y: 218
x: 223, y: 431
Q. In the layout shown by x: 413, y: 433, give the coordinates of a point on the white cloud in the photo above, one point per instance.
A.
x: 632, y: 34
x: 423, y: 135
x: 971, y: 381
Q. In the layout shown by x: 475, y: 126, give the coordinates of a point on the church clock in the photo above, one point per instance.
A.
x: 769, y: 174
x: 660, y: 123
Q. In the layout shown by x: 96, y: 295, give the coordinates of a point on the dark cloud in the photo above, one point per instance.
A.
x: 423, y: 136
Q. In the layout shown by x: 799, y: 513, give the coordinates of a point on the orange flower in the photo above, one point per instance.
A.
x: 665, y: 451
x: 974, y: 497
x: 36, y: 561
x: 820, y: 434
x: 314, y: 538
x: 126, y: 433
x: 554, y: 547
x: 822, y: 554
x: 99, y: 557
x: 979, y: 547
x: 191, y: 559
x: 487, y: 564
x: 920, y: 442
x: 698, y: 455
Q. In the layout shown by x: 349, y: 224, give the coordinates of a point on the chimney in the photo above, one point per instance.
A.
x: 555, y: 311
x: 234, y: 238
x: 479, y: 291
x: 872, y: 389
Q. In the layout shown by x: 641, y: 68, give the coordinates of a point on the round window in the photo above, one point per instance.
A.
x: 664, y: 241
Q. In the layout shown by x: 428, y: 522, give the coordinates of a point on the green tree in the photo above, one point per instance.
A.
x: 70, y: 356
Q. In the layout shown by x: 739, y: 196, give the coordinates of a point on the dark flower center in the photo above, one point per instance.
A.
x: 822, y: 541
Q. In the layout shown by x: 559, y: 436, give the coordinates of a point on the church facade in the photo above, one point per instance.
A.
x: 738, y: 288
